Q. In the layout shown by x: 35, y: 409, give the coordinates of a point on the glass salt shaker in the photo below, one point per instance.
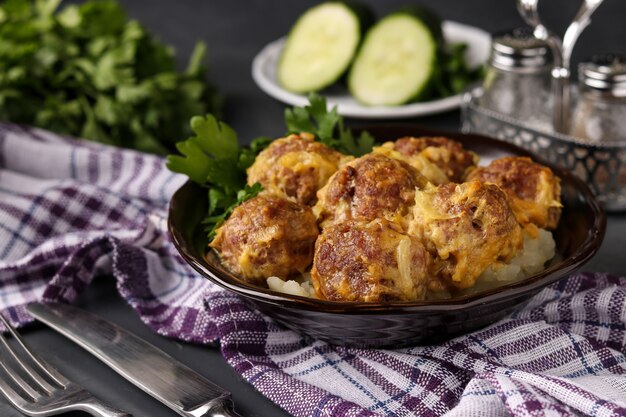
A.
x: 600, y: 115
x: 518, y: 79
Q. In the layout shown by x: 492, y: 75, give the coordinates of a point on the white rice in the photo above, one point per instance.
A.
x: 302, y: 287
x: 530, y: 260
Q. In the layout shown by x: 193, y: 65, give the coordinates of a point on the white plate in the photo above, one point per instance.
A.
x: 264, y: 74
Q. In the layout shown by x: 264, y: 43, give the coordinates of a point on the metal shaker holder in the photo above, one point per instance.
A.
x: 602, y: 165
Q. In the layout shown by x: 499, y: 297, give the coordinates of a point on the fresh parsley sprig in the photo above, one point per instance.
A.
x: 454, y: 73
x: 327, y: 126
x: 213, y: 222
x: 213, y: 159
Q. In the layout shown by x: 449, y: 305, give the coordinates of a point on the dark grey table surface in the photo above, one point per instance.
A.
x: 235, y: 31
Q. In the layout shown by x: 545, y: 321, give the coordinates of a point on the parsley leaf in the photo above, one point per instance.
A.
x: 248, y: 155
x: 213, y: 222
x: 211, y: 157
x: 355, y: 146
x: 454, y: 73
x: 327, y: 126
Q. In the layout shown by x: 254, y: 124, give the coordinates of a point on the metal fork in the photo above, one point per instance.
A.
x: 37, y: 389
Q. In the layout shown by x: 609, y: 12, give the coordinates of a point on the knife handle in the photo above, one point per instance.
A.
x: 97, y: 408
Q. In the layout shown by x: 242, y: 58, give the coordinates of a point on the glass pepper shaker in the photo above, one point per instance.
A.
x: 600, y: 115
x: 518, y: 79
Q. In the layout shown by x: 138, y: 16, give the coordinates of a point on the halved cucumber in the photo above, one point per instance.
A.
x: 398, y: 59
x: 321, y: 46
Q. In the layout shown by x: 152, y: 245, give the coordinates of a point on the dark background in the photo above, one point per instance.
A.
x: 235, y: 31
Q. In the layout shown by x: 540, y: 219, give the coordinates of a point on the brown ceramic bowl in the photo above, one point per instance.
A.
x: 578, y: 237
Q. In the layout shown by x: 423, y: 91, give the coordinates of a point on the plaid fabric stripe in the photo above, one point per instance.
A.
x: 73, y: 210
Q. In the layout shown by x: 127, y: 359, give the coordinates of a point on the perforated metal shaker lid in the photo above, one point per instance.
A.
x: 518, y: 50
x: 605, y: 74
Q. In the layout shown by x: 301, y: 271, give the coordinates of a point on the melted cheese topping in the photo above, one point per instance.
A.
x: 304, y: 162
x: 420, y: 161
x: 466, y: 252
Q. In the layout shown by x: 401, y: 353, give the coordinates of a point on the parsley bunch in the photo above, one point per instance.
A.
x: 88, y: 71
x: 213, y: 158
x: 454, y: 73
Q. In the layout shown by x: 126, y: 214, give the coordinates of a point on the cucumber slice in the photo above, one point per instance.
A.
x: 398, y: 59
x: 321, y: 46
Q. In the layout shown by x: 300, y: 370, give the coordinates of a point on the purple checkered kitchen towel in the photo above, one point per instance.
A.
x: 73, y: 210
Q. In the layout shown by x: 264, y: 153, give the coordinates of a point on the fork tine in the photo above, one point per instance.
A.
x: 16, y: 378
x: 32, y: 373
x: 10, y: 394
x: 52, y: 373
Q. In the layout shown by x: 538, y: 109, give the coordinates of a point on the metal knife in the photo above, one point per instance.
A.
x: 149, y: 368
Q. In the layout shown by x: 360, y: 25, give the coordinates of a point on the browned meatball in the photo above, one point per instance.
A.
x: 369, y: 262
x: 267, y: 236
x: 439, y: 159
x: 533, y: 189
x: 468, y: 226
x: 295, y: 167
x: 370, y: 187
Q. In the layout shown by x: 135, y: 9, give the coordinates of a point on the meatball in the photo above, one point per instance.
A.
x: 267, y: 236
x: 533, y: 189
x: 369, y: 262
x: 370, y: 187
x: 467, y: 227
x: 439, y: 159
x: 295, y: 167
